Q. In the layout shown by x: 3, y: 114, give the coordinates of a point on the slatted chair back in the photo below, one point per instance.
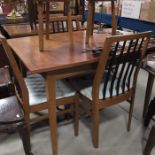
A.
x: 123, y: 63
x: 59, y: 24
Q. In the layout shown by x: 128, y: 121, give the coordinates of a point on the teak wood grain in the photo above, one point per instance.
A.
x: 59, y: 53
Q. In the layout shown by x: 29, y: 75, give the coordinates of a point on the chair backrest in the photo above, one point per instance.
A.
x: 60, y: 23
x: 20, y: 86
x: 32, y: 9
x: 119, y: 64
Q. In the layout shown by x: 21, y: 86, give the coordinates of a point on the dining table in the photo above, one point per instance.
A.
x: 18, y: 30
x: 61, y: 58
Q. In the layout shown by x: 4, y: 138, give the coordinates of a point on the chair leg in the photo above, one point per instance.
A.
x: 25, y: 136
x: 150, y: 142
x: 95, y: 126
x: 130, y: 113
x: 76, y: 116
x: 27, y: 119
x: 148, y: 93
x: 150, y: 112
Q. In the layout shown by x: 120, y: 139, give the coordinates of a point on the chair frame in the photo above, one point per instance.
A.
x: 129, y: 95
x: 24, y: 96
x: 150, y: 142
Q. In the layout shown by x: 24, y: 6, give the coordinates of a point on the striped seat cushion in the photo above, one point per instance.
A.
x: 88, y: 91
x: 37, y: 89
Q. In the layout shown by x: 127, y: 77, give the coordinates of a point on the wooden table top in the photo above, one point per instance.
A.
x: 18, y: 30
x: 59, y: 53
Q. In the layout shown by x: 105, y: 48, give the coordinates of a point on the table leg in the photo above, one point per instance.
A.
x: 51, y: 83
x: 90, y: 20
x: 113, y: 21
x: 148, y: 93
x: 47, y: 18
x: 40, y: 21
x: 70, y: 30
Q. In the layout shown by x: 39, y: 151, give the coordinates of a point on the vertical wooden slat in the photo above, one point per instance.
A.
x: 113, y: 69
x: 52, y: 28
x: 58, y: 26
x: 121, y: 71
x: 66, y: 25
x: 126, y: 67
x: 110, y: 68
x: 132, y: 63
x: 62, y: 25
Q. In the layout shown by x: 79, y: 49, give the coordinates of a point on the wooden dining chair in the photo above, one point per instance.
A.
x: 31, y: 92
x: 151, y: 138
x: 115, y: 77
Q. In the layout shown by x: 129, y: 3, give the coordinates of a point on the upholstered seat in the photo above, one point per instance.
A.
x: 37, y: 89
x: 87, y: 91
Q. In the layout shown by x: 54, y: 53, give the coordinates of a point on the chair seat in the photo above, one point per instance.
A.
x: 10, y: 111
x: 88, y: 92
x: 37, y: 89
